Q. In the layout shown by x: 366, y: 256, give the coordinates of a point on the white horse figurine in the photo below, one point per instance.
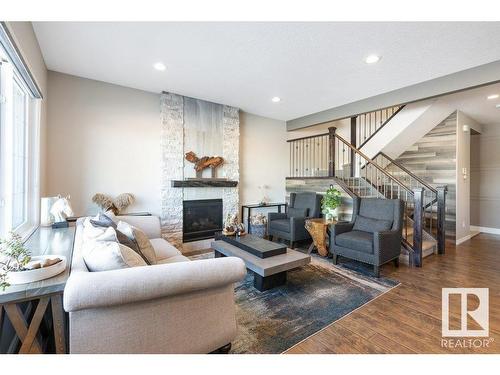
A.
x: 61, y: 209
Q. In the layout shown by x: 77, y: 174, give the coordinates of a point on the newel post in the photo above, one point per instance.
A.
x: 441, y: 218
x: 418, y: 216
x: 353, y: 143
x: 331, y: 151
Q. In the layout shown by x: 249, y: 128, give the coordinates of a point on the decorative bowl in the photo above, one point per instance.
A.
x: 29, y: 276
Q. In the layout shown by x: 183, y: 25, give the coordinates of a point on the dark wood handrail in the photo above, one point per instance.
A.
x: 308, y: 137
x: 397, y: 164
x: 381, y: 126
x: 370, y: 161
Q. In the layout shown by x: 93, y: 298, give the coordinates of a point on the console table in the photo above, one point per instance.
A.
x: 251, y: 207
x: 39, y: 295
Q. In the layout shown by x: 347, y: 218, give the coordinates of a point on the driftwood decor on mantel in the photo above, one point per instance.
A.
x: 200, y: 164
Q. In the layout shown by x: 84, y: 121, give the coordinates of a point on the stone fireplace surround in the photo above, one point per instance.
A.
x: 189, y: 123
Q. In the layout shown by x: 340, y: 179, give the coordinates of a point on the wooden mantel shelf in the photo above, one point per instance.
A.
x: 203, y: 182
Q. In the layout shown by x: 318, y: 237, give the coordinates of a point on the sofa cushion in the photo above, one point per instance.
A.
x: 356, y: 240
x: 282, y: 225
x: 367, y: 224
x: 137, y: 235
x: 90, y: 232
x: 297, y: 212
x: 124, y: 240
x: 102, y: 220
x: 109, y: 255
x: 102, y: 228
x: 174, y: 259
x: 163, y: 249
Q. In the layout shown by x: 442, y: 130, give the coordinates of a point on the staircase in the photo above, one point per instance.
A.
x: 431, y: 196
x: 329, y: 156
x: 432, y: 159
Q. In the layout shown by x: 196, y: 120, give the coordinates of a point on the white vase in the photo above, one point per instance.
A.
x: 331, y: 214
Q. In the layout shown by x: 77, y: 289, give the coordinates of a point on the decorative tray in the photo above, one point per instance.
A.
x: 29, y: 276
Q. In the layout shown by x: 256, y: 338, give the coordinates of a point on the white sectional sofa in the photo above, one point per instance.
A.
x: 176, y: 306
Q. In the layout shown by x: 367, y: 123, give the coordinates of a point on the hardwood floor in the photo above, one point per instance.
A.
x: 407, y: 319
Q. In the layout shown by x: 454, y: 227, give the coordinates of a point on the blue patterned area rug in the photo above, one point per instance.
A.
x: 315, y: 296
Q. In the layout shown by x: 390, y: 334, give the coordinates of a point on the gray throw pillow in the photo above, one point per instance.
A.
x: 139, y: 237
x: 124, y: 240
x: 297, y: 212
x: 367, y: 224
x: 102, y: 220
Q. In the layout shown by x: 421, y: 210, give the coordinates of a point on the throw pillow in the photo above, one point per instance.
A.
x: 124, y: 240
x: 102, y: 220
x: 93, y: 233
x: 109, y: 255
x: 109, y: 233
x: 297, y: 212
x: 367, y: 224
x: 137, y: 235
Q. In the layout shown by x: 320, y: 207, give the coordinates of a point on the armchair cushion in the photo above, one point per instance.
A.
x: 307, y: 199
x: 340, y: 227
x: 283, y: 225
x: 367, y: 224
x: 297, y: 212
x: 359, y: 240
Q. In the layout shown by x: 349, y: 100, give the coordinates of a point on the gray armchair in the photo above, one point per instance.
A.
x: 291, y: 225
x: 373, y: 235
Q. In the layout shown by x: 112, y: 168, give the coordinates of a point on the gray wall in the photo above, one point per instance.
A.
x: 485, y: 178
x: 106, y: 138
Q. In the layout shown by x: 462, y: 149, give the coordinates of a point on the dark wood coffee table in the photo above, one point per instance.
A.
x: 254, y: 245
x: 268, y: 272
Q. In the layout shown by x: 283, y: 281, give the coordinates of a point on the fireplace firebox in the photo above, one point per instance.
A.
x: 202, y: 218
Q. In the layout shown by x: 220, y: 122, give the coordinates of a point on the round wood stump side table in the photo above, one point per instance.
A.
x: 317, y: 230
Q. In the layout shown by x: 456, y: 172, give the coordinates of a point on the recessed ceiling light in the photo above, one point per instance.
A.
x: 159, y: 66
x: 372, y: 59
x: 276, y: 99
x: 494, y: 96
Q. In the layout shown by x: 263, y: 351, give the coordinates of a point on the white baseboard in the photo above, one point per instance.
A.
x: 463, y: 239
x: 485, y: 229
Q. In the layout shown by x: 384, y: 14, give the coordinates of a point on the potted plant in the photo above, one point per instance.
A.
x: 330, y: 202
x: 13, y: 257
x: 17, y: 266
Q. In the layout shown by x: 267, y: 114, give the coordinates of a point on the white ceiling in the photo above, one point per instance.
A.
x: 311, y: 66
x: 475, y: 104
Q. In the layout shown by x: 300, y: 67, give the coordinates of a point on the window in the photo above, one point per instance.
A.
x: 19, y: 157
x: 19, y: 151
